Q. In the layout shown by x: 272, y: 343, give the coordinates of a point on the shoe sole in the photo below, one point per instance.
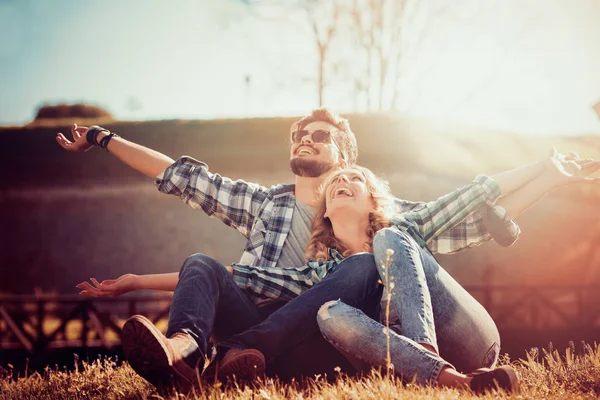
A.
x: 149, y: 356
x: 246, y: 365
x: 514, y: 379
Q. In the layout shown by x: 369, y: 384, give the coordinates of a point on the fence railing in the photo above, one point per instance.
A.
x: 541, y: 307
x: 40, y: 323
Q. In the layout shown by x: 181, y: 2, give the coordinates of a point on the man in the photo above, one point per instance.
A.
x: 276, y: 222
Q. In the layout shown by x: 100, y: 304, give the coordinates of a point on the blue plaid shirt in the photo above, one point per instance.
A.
x: 263, y: 215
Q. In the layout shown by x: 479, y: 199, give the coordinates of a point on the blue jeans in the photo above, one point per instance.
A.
x: 432, y: 308
x: 207, y: 302
x: 291, y: 335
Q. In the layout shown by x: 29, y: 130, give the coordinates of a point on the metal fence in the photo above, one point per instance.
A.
x: 40, y: 323
x: 36, y: 324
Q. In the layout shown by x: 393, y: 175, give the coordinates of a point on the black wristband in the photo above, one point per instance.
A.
x: 104, y: 141
x: 92, y: 134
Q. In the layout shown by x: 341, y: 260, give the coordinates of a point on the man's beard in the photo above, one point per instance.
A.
x: 309, y: 168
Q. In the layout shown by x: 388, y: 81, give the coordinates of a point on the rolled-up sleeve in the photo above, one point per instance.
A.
x: 236, y: 203
x: 456, y: 221
x: 490, y: 187
x: 436, y: 217
x: 500, y: 226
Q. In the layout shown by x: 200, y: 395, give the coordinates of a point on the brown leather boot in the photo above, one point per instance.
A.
x: 487, y: 380
x: 244, y: 364
x: 154, y: 357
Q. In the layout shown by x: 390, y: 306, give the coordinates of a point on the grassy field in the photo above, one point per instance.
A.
x: 547, y: 376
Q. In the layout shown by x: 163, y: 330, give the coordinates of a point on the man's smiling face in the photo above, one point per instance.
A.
x: 312, y: 159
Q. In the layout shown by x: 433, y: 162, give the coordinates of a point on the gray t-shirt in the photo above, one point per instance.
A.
x: 292, y: 254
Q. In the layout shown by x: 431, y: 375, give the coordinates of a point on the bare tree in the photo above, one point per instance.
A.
x: 322, y: 20
x: 362, y: 21
x: 324, y: 30
x: 378, y: 27
x: 596, y: 108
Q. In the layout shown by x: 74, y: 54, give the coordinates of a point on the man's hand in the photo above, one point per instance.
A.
x: 565, y: 169
x: 149, y: 162
x: 110, y: 287
x: 79, y: 142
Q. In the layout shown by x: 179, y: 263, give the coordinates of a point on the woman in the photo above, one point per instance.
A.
x: 440, y: 325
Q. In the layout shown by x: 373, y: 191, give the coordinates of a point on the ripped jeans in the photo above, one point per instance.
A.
x: 431, y: 307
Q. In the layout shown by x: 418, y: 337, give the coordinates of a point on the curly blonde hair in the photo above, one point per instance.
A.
x: 322, y: 238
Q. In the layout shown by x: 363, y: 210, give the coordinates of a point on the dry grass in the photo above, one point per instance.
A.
x: 551, y: 376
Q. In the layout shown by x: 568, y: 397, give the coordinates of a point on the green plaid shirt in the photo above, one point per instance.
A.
x: 424, y: 223
x: 264, y: 216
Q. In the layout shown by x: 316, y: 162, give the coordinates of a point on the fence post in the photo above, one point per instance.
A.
x: 41, y: 338
x: 487, y: 287
x: 132, y: 308
x: 84, y: 324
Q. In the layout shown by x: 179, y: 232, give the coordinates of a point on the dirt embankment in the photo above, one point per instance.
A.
x: 66, y: 217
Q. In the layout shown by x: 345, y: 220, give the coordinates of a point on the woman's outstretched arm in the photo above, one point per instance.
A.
x: 263, y: 282
x: 129, y: 283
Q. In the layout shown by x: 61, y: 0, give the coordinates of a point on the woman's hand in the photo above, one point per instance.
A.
x: 563, y: 169
x: 110, y: 287
x: 79, y: 142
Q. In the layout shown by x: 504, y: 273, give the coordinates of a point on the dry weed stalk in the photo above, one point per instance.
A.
x: 389, y: 286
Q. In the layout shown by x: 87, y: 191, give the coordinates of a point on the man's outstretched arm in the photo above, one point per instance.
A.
x: 235, y: 203
x: 440, y: 215
x: 489, y: 221
x: 147, y: 161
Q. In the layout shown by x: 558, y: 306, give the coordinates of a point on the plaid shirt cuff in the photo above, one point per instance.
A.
x: 490, y: 186
x: 501, y: 226
x: 177, y: 175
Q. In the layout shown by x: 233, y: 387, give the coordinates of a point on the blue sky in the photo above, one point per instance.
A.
x: 509, y: 65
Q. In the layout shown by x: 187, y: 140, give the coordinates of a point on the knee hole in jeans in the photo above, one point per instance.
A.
x: 323, y: 313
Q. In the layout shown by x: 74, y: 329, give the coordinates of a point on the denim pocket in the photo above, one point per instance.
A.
x: 491, y: 357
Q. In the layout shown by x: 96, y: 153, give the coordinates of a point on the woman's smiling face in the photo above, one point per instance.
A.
x: 347, y: 192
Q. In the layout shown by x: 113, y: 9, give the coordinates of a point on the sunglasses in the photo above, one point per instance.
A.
x: 317, y: 136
